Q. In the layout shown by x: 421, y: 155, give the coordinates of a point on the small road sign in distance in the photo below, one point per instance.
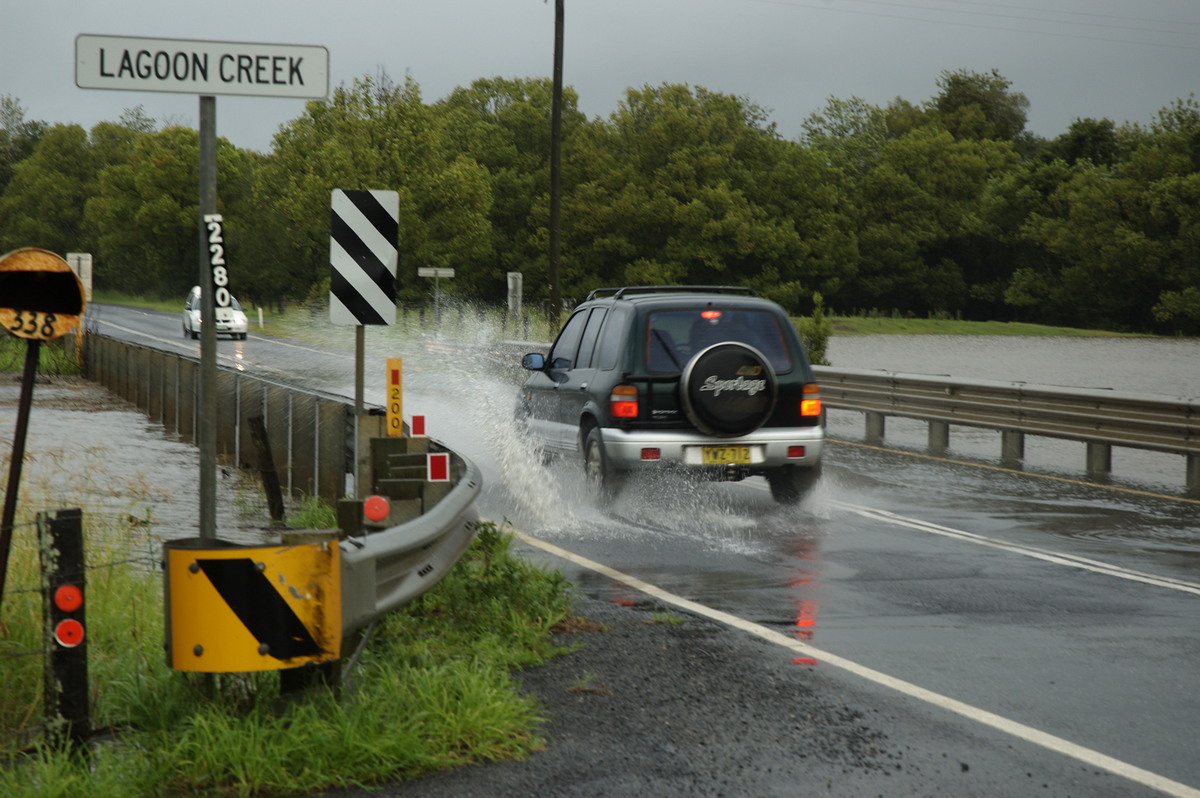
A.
x: 41, y: 298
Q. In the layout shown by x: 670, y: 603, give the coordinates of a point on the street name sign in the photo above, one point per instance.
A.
x: 188, y: 66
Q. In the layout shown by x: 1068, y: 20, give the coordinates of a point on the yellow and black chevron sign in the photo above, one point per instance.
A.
x: 234, y: 608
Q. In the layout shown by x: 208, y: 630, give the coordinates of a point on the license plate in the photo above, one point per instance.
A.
x: 725, y: 455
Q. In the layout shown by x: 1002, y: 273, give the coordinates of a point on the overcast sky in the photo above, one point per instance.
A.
x: 1116, y: 59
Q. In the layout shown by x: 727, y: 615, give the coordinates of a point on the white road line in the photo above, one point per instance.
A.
x: 1011, y: 727
x: 1069, y: 560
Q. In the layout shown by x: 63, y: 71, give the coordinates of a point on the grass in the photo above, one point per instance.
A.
x: 54, y: 357
x: 865, y: 324
x: 895, y: 325
x: 432, y: 690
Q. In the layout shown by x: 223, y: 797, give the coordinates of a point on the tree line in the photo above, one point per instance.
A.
x: 946, y: 208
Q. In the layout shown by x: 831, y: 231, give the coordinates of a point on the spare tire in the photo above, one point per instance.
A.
x: 728, y: 389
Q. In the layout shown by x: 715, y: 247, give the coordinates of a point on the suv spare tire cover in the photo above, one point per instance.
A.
x: 728, y: 389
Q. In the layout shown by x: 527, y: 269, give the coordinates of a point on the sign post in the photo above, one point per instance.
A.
x: 437, y: 275
x: 40, y: 299
x: 205, y: 68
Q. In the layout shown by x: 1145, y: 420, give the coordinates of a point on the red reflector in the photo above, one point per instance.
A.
x: 438, y: 467
x: 68, y: 598
x: 795, y: 452
x: 651, y: 454
x: 69, y: 633
x: 376, y: 508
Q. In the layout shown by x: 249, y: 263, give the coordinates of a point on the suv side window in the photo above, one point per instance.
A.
x: 590, y: 333
x: 609, y: 349
x: 562, y: 356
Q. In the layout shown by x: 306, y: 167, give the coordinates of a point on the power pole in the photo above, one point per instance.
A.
x: 556, y: 167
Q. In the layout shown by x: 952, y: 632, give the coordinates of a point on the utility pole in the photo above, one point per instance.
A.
x: 556, y: 167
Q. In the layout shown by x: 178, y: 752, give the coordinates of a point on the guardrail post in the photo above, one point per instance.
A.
x: 1012, y: 447
x: 1193, y: 475
x: 1099, y: 460
x: 939, y: 437
x: 876, y: 423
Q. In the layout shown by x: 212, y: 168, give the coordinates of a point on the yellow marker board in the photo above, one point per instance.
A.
x: 233, y: 609
x: 395, y: 397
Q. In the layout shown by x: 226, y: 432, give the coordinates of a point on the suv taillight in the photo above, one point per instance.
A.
x: 810, y: 403
x: 623, y: 402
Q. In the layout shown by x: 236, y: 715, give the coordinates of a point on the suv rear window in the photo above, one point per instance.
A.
x: 673, y: 336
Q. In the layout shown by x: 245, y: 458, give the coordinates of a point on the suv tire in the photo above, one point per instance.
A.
x: 728, y: 389
x: 604, y: 482
x: 790, y: 483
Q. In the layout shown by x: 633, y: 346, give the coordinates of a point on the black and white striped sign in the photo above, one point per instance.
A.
x: 362, y: 252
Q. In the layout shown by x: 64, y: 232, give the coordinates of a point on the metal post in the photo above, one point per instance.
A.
x: 1012, y: 447
x: 206, y: 435
x: 556, y: 166
x: 876, y: 424
x: 360, y: 347
x: 939, y: 437
x: 1099, y: 460
x: 68, y: 719
x: 18, y: 458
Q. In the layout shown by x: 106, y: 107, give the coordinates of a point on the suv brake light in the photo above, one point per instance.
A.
x: 810, y: 403
x: 623, y: 402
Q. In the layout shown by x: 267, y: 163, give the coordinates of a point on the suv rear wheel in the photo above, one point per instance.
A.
x: 789, y: 484
x: 603, y: 481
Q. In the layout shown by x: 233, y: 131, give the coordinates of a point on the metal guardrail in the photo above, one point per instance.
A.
x: 383, y: 566
x: 382, y: 570
x: 1100, y: 418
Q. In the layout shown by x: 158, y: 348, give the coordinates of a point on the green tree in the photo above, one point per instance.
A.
x: 973, y: 105
x: 18, y: 137
x: 145, y: 214
x: 375, y: 135
x: 691, y: 186
x: 43, y: 203
x: 919, y: 225
x: 504, y: 125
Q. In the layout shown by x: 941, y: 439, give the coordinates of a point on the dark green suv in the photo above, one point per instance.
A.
x: 711, y: 380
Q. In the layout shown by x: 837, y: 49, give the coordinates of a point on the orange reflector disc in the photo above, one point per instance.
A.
x: 376, y: 508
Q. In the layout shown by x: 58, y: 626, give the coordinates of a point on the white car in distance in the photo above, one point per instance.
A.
x: 235, y: 325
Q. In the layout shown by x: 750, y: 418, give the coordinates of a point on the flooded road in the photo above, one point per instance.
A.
x: 1066, y: 607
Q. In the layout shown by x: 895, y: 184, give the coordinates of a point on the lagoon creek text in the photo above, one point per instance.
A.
x: 275, y: 70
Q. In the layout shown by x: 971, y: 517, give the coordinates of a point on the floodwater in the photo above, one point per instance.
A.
x: 1166, y: 366
x: 1160, y: 366
x: 86, y: 448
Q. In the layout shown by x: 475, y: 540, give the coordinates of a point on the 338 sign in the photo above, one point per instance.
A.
x: 41, y: 298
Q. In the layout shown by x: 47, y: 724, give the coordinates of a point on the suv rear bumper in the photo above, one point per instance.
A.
x: 768, y: 447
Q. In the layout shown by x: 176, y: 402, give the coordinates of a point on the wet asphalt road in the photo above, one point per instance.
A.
x: 914, y: 628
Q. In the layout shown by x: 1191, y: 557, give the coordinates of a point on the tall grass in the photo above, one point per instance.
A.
x: 433, y: 690
x: 54, y: 357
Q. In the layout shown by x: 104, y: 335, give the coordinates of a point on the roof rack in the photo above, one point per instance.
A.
x: 629, y: 290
